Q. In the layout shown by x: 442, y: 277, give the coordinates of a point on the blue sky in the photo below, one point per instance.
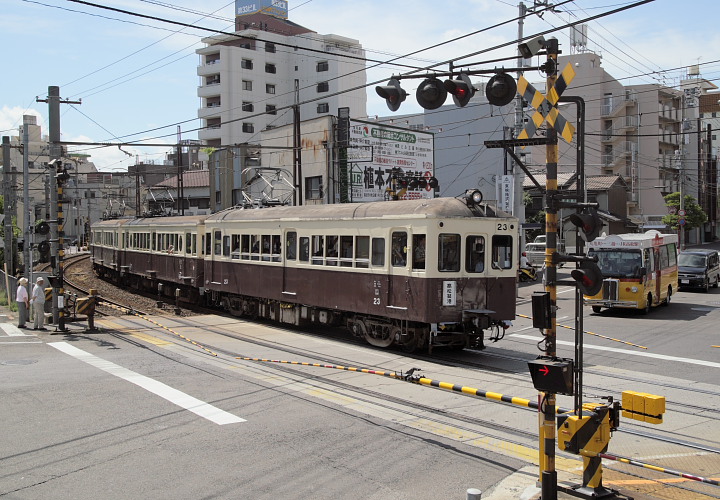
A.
x: 137, y: 77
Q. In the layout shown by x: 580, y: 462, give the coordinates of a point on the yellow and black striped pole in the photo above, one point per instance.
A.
x: 546, y: 415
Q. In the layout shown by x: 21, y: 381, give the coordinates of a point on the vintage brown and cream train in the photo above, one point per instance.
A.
x: 416, y: 273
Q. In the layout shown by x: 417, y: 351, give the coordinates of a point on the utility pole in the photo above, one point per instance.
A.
x: 548, y: 475
x: 7, y: 190
x: 57, y: 226
x: 27, y: 256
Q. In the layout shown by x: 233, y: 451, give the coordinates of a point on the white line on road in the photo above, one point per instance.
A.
x: 631, y: 353
x: 13, y: 331
x: 205, y: 410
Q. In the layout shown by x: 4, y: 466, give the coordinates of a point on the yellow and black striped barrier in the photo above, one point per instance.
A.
x: 397, y: 375
x: 664, y: 470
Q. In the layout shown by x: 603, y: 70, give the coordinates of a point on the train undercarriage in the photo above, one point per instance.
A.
x: 375, y: 330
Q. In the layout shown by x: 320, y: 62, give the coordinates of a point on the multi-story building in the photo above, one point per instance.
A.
x: 251, y: 79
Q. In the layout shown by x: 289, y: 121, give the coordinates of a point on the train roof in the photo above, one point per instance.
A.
x: 421, y: 209
x: 181, y: 220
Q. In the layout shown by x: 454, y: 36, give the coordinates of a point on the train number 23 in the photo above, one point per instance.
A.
x: 501, y: 226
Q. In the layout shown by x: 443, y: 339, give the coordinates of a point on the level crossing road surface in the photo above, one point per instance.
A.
x: 135, y: 410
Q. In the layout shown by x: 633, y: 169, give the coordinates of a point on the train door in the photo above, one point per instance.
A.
x: 288, y: 263
x: 397, y: 269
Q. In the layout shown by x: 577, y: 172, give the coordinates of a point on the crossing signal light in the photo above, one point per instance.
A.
x: 588, y: 277
x: 42, y: 228
x: 501, y: 89
x: 461, y: 89
x: 589, y: 224
x: 393, y: 94
x: 431, y: 93
x: 44, y: 250
x: 552, y: 375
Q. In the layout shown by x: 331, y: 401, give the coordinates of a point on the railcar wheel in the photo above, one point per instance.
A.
x: 385, y: 339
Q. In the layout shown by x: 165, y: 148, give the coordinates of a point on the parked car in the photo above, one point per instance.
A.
x: 535, y: 252
x: 698, y: 268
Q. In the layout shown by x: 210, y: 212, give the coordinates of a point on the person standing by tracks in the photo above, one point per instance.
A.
x: 38, y: 304
x: 23, y: 302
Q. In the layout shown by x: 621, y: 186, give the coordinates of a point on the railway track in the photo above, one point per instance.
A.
x: 487, y: 427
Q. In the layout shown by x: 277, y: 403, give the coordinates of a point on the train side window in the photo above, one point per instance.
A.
x: 276, y: 248
x: 418, y: 249
x: 501, y: 251
x: 317, y: 250
x: 226, y: 246
x: 208, y: 244
x: 362, y: 251
x: 217, y: 245
x: 152, y: 241
x: 378, y: 252
x: 245, y: 247
x: 304, y: 249
x: 179, y: 245
x: 254, y: 247
x: 475, y: 254
x: 235, y: 244
x: 266, y: 248
x: 331, y: 251
x: 346, y: 251
x: 399, y: 249
x: 188, y: 244
x: 291, y: 245
x: 449, y: 252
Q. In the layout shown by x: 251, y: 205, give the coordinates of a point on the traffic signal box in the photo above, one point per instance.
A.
x: 642, y: 406
x: 552, y: 375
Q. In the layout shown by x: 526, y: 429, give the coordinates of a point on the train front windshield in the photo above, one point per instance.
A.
x: 618, y: 263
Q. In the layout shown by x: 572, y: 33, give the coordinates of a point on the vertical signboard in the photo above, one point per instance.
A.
x: 506, y: 193
x: 407, y: 154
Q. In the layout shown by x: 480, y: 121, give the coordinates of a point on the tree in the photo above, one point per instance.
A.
x: 694, y: 215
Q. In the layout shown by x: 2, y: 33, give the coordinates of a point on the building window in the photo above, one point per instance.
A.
x: 248, y: 128
x: 248, y: 106
x: 270, y: 68
x: 270, y: 109
x: 323, y: 107
x: 212, y: 80
x: 246, y: 85
x: 269, y: 88
x: 313, y: 188
x: 269, y: 47
x: 323, y: 87
x: 322, y: 66
x: 246, y: 64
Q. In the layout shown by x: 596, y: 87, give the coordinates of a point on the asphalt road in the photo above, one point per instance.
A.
x: 137, y: 412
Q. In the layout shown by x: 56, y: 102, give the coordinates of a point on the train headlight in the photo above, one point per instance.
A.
x: 632, y: 289
x: 473, y: 197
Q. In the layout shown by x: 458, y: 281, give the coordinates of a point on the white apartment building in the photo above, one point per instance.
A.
x: 250, y: 80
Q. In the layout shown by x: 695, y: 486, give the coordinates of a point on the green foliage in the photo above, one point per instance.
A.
x: 537, y: 218
x: 694, y: 215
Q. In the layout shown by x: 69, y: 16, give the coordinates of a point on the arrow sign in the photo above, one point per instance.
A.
x: 544, y: 370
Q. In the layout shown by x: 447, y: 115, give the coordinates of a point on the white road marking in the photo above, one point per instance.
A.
x: 200, y: 408
x: 632, y: 353
x: 13, y: 331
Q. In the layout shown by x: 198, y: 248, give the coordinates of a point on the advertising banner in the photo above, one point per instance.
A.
x: 277, y: 8
x: 388, y: 152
